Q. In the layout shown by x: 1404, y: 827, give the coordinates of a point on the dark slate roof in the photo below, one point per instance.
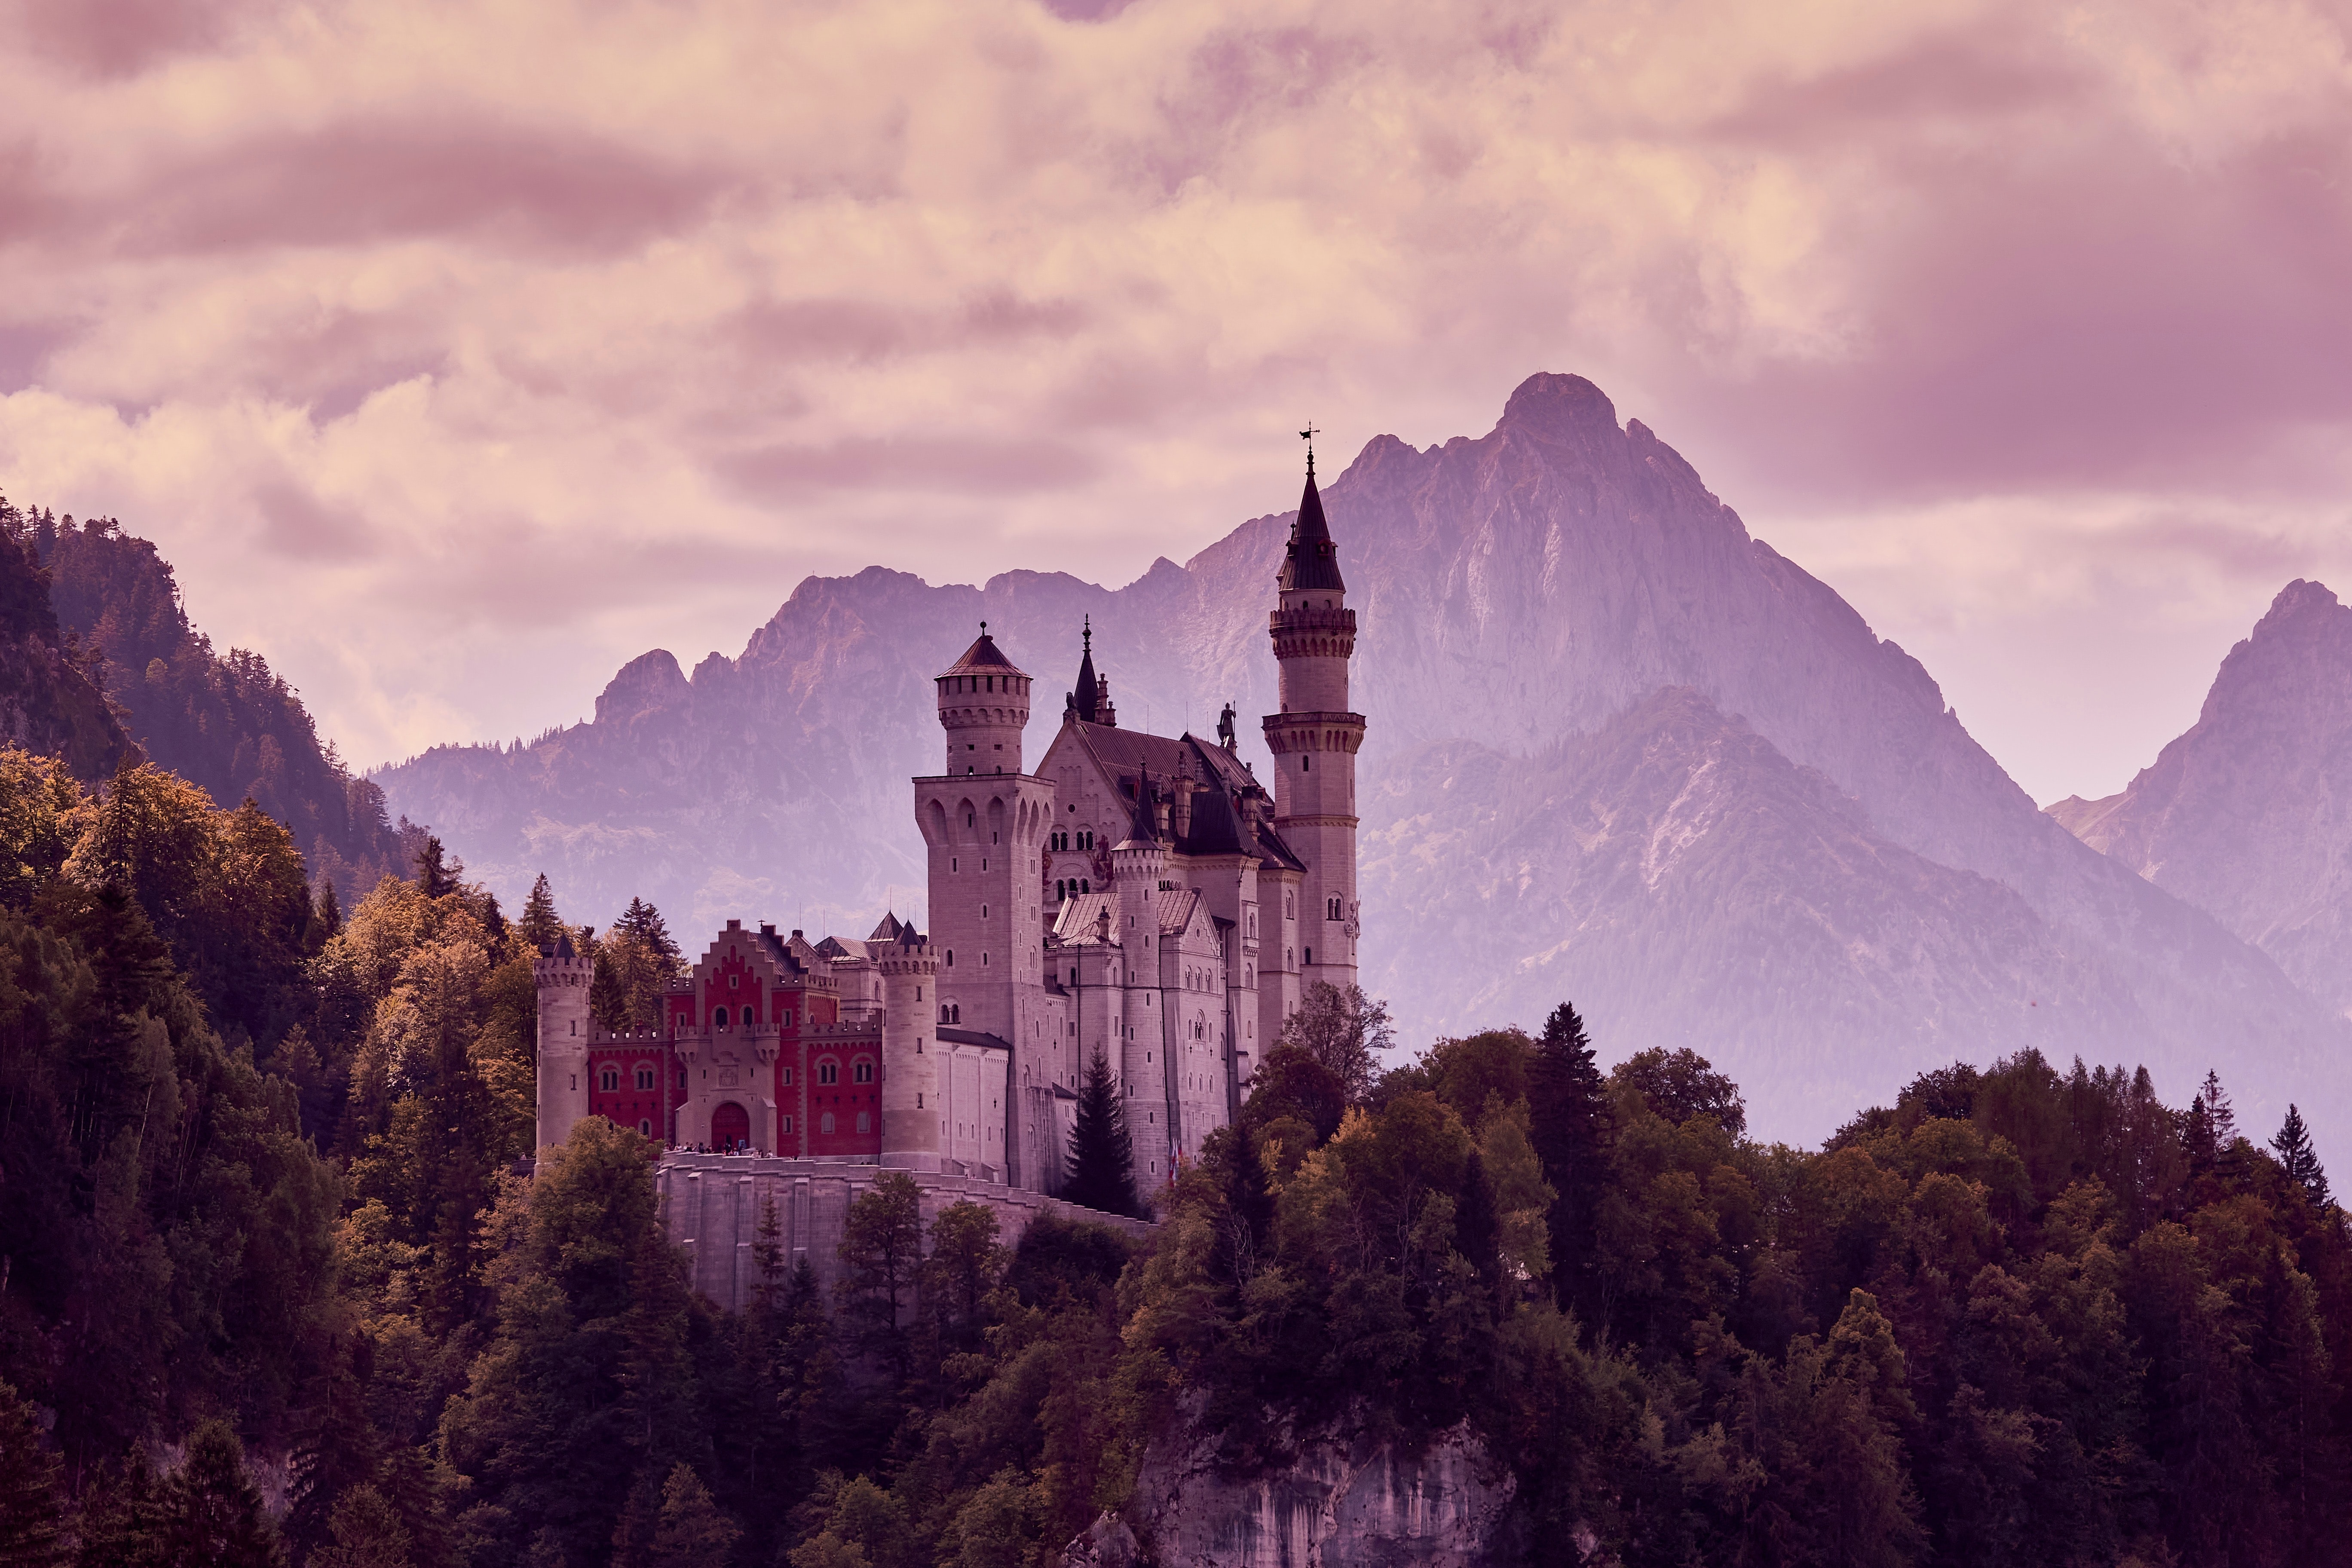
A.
x: 1313, y: 561
x: 983, y: 655
x: 971, y: 1038
x: 1219, y: 825
x: 1084, y: 700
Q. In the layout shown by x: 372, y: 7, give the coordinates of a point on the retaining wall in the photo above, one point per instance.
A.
x: 711, y: 1204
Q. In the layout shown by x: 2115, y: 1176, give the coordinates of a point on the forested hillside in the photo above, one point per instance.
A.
x: 224, y: 722
x: 273, y: 1290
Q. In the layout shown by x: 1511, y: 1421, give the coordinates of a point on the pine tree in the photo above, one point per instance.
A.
x: 212, y: 1509
x: 1102, y: 1156
x: 692, y: 1531
x: 2296, y: 1153
x: 330, y: 917
x: 123, y: 1519
x: 368, y: 1534
x: 435, y: 878
x: 1570, y: 1128
x: 539, y: 925
x: 31, y: 1512
x: 644, y: 921
x: 2216, y: 1101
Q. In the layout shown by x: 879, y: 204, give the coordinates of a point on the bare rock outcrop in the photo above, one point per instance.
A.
x: 1344, y: 1500
x: 2248, y: 815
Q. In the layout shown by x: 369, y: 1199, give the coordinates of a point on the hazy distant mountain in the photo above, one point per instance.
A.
x: 1514, y: 592
x: 2249, y: 814
x: 1673, y: 868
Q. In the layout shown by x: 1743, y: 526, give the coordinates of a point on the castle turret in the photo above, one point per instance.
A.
x: 564, y: 978
x: 984, y: 707
x: 1315, y: 738
x: 911, y: 1105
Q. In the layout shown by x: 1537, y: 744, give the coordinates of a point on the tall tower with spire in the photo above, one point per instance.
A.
x: 983, y: 820
x: 1315, y: 738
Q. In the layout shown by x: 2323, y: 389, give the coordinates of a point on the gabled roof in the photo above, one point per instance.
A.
x: 1176, y: 908
x: 1079, y: 922
x: 1312, y: 560
x: 1220, y: 824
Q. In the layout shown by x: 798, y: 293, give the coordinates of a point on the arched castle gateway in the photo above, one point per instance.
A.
x: 1138, y: 895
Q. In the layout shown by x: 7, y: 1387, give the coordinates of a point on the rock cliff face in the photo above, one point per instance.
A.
x: 2248, y: 815
x: 1673, y: 866
x: 1341, y: 1502
x: 1516, y: 592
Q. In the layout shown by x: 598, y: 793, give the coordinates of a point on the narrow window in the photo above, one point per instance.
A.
x: 720, y: 1017
x: 609, y: 1079
x: 1306, y: 765
x: 865, y: 1122
x: 788, y: 1124
x: 824, y: 1123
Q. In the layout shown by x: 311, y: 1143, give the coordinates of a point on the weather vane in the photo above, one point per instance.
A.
x: 1308, y: 436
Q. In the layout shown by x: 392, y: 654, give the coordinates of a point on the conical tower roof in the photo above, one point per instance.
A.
x: 1083, y: 702
x: 1313, y: 561
x: 983, y: 656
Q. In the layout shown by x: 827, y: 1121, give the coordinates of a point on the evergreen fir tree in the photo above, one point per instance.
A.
x: 367, y: 1534
x: 31, y: 1510
x: 2296, y: 1153
x: 540, y: 926
x: 329, y: 916
x: 1102, y: 1156
x: 124, y: 1521
x: 212, y: 1511
x: 691, y: 1532
x: 644, y: 921
x: 2216, y: 1101
x: 435, y: 878
x: 1570, y: 1127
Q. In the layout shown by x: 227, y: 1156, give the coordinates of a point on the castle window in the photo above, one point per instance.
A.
x: 644, y: 1077
x: 952, y: 958
x: 787, y: 1020
x: 1310, y: 955
x: 828, y: 1071
x: 645, y: 1126
x: 681, y: 1078
x: 788, y: 1077
x: 720, y: 1017
x: 734, y: 983
x: 862, y: 1071
x: 865, y: 1122
x: 1305, y: 763
x: 1084, y: 885
x: 788, y: 1124
x: 824, y: 1122
x: 609, y: 1079
x: 943, y: 1014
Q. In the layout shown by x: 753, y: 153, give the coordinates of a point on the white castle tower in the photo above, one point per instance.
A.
x: 564, y: 978
x: 1315, y: 738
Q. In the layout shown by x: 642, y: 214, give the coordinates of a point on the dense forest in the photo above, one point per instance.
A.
x: 224, y: 722
x: 279, y: 1285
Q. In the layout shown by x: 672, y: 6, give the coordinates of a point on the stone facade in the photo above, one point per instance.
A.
x: 1140, y: 897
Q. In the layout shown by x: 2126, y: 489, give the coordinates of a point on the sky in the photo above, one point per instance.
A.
x: 457, y: 354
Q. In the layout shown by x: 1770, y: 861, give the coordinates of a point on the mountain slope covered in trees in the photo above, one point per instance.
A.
x: 224, y: 722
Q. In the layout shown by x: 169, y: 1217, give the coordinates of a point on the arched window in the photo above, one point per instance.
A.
x: 644, y: 1077
x: 943, y: 1014
x: 720, y: 1017
x: 1084, y: 886
x: 861, y: 1071
x: 828, y: 1071
x: 957, y: 1012
x: 824, y: 1122
x: 609, y: 1079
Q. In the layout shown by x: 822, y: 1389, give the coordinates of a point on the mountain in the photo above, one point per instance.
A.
x: 225, y: 723
x: 1516, y: 592
x: 49, y: 703
x: 2248, y: 815
x: 1674, y: 867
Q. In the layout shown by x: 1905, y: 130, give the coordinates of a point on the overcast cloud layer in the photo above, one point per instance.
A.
x: 458, y: 353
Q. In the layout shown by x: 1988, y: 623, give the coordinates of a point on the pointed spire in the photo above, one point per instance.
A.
x: 1312, y: 560
x: 1145, y: 828
x: 1085, y: 701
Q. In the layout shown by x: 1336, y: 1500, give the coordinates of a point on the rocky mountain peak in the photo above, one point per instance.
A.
x: 650, y: 680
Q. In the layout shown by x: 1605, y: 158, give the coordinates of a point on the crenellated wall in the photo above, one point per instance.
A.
x: 712, y: 1203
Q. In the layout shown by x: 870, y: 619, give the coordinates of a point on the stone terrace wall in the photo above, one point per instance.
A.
x: 711, y: 1204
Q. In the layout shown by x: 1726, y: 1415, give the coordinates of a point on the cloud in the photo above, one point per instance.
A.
x: 582, y: 326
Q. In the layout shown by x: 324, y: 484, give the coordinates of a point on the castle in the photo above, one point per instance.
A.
x: 1137, y: 896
